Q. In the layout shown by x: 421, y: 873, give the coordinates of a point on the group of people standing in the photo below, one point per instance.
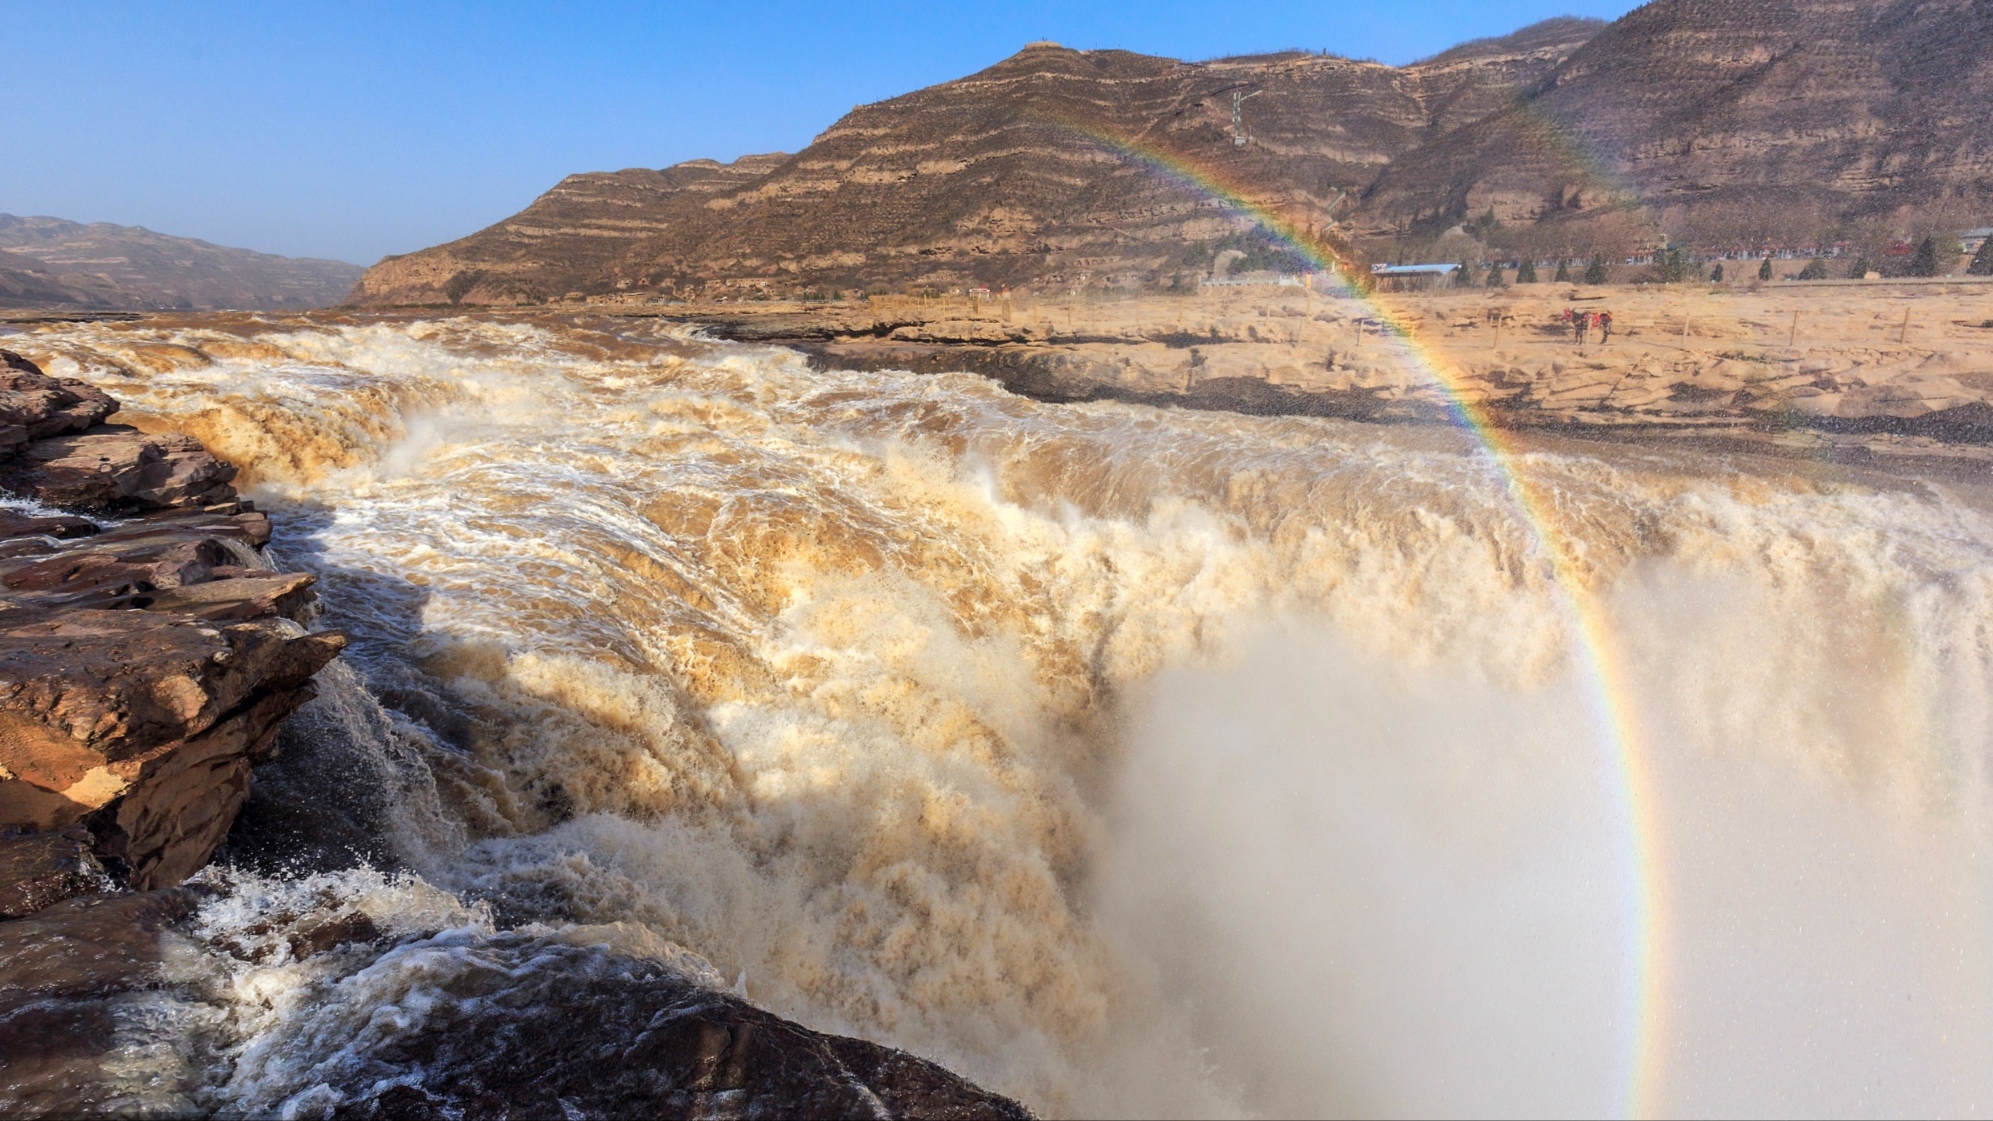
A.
x: 1582, y: 323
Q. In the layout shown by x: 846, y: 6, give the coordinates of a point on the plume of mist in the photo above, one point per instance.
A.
x: 1378, y: 892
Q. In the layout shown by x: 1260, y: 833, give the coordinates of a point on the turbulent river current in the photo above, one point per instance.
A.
x: 1126, y: 761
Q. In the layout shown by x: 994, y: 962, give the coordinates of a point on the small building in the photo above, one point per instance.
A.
x: 1971, y: 240
x: 1412, y: 277
x: 1412, y: 270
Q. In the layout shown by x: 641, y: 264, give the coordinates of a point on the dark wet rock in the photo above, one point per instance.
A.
x: 564, y: 1031
x: 238, y: 521
x: 64, y: 972
x: 38, y: 870
x: 91, y: 945
x: 328, y: 936
x: 14, y: 523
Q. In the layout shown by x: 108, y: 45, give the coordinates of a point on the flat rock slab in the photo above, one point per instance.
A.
x: 114, y: 467
x: 14, y: 523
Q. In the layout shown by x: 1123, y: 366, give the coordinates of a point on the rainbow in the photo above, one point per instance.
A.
x: 1608, y: 689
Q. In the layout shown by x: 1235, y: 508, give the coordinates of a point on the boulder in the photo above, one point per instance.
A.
x: 143, y: 725
x: 34, y: 406
x: 541, y: 1029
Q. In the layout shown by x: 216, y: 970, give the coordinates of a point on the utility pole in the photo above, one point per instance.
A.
x: 1239, y: 136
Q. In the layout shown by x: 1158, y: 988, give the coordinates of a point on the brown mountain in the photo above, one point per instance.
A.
x: 1746, y: 120
x: 1711, y: 120
x: 1051, y: 163
x: 51, y: 263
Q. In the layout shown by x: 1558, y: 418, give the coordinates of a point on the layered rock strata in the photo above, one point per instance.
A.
x: 147, y: 657
x: 1053, y: 165
x: 1725, y: 125
x: 145, y: 663
x: 1764, y: 119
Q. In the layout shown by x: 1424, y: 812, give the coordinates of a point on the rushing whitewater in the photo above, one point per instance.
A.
x: 1126, y: 761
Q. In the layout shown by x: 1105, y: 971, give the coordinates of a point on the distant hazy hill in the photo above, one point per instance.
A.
x: 50, y: 263
x: 1717, y: 120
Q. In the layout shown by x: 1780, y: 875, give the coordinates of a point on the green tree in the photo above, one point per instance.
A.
x: 1674, y: 267
x: 1816, y: 269
x: 1925, y: 261
x: 1595, y: 272
x: 1563, y: 272
x: 1495, y: 277
x: 1716, y: 274
x: 1861, y: 268
x: 1463, y: 277
x: 1765, y: 269
x: 1982, y: 261
x: 1527, y: 273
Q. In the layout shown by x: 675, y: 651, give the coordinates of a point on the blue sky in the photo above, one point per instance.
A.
x: 357, y: 130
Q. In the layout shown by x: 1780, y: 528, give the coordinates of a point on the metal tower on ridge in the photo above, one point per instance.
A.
x: 1239, y: 136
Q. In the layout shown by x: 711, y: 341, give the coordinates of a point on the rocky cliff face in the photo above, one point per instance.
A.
x: 145, y: 664
x: 51, y: 263
x: 1053, y: 162
x: 1769, y: 120
x: 1730, y: 115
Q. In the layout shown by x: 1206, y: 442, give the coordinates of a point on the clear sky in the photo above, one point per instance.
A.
x: 356, y: 130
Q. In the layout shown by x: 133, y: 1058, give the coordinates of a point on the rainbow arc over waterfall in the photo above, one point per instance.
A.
x: 1609, y: 691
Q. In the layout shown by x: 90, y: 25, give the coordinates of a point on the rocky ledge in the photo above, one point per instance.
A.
x: 148, y: 656
x: 147, y: 652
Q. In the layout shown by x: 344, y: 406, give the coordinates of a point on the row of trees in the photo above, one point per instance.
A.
x: 1761, y: 219
x: 1677, y: 267
x: 1595, y: 273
